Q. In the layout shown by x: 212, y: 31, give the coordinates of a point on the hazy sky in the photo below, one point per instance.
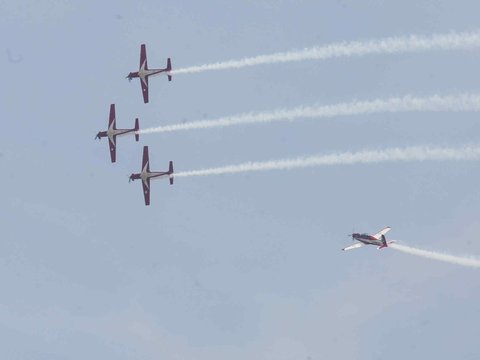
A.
x: 243, y: 266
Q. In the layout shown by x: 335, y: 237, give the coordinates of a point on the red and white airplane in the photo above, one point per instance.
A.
x: 113, y: 132
x: 146, y: 175
x: 377, y: 239
x: 144, y: 72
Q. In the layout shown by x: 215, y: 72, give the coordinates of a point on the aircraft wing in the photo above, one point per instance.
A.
x: 143, y: 57
x: 145, y: 161
x: 112, y: 144
x: 354, y: 246
x: 144, y: 83
x: 146, y: 191
x: 382, y: 232
x: 111, y: 118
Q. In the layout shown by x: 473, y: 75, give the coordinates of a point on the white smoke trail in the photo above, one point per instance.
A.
x: 458, y: 260
x: 391, y: 45
x: 416, y: 153
x: 459, y: 102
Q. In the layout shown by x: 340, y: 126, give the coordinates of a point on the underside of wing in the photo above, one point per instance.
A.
x: 382, y: 232
x: 112, y: 144
x: 143, y: 57
x: 111, y: 118
x: 354, y: 246
x: 146, y: 191
x: 144, y: 83
x: 145, y: 161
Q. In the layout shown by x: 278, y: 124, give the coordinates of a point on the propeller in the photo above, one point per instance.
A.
x: 351, y: 235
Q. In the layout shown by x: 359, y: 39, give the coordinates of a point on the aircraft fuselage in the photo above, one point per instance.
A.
x: 111, y: 133
x: 367, y: 239
x: 144, y: 73
x: 118, y: 132
x: 152, y: 175
x: 152, y: 72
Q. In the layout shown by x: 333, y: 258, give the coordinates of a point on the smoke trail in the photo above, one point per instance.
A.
x: 417, y: 153
x: 391, y: 45
x: 464, y: 261
x: 459, y: 102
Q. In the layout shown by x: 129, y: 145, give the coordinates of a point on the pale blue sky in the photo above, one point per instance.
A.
x: 230, y: 267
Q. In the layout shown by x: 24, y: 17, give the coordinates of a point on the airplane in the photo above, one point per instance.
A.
x: 365, y: 239
x: 144, y: 72
x: 113, y: 132
x: 146, y: 175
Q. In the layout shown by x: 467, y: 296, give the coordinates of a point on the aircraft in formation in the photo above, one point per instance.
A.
x: 144, y: 73
x: 377, y: 239
x: 112, y: 132
x: 146, y: 175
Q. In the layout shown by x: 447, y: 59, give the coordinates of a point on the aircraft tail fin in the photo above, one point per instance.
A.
x: 384, y: 242
x: 169, y: 68
x: 137, y: 128
x: 170, y: 171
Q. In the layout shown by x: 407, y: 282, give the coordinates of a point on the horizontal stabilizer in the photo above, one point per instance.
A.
x: 169, y: 68
x: 137, y: 128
